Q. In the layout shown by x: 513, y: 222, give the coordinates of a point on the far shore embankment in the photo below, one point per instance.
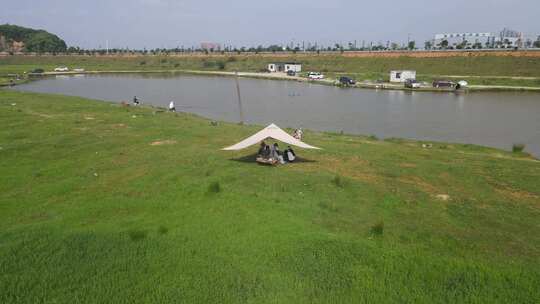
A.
x: 326, y: 81
x: 499, y: 70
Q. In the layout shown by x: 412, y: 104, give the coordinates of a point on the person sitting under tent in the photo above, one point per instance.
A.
x: 276, y: 154
x: 263, y: 149
x: 171, y: 107
x: 289, y: 155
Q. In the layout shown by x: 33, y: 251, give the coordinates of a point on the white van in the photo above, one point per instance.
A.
x: 315, y: 75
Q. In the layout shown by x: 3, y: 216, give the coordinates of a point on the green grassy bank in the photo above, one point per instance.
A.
x: 493, y: 70
x: 101, y: 203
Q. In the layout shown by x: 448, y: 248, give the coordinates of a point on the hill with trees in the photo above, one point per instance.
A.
x: 18, y: 38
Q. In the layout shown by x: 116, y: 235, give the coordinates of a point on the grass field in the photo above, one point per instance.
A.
x: 101, y: 203
x: 488, y: 67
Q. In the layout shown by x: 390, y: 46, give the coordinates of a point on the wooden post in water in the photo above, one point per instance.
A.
x: 239, y: 97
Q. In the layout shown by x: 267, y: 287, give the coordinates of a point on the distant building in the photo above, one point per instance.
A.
x: 507, y: 38
x: 285, y: 67
x: 210, y: 46
x: 453, y: 40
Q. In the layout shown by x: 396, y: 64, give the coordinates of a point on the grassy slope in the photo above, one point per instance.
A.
x: 332, y: 65
x: 148, y: 229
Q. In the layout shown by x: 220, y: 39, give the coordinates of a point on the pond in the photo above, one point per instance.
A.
x: 495, y: 119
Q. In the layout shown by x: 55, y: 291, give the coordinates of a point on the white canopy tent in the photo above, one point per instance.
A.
x: 272, y: 131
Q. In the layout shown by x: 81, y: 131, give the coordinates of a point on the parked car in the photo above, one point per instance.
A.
x: 61, y: 69
x: 412, y: 83
x: 315, y: 75
x: 346, y: 80
x: 37, y: 71
x: 291, y: 73
x: 78, y: 70
x: 462, y: 84
x: 443, y: 84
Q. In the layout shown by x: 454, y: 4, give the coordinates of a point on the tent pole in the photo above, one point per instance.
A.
x: 239, y: 97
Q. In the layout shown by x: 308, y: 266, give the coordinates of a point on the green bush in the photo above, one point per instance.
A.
x: 214, y: 187
x: 163, y: 230
x: 137, y: 235
x: 338, y: 181
x: 378, y: 228
x: 516, y: 148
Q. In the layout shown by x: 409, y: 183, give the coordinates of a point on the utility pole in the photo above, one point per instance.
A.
x: 239, y: 98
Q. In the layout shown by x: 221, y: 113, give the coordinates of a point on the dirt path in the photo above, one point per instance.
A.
x: 476, y: 76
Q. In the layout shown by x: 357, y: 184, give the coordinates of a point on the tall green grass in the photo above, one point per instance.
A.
x: 153, y: 227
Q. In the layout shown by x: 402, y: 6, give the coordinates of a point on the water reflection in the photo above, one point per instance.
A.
x: 491, y: 119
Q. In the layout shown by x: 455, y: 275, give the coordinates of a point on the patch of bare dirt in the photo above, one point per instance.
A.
x: 40, y: 114
x: 443, y: 197
x: 420, y: 184
x: 517, y: 194
x: 163, y: 142
x: 354, y: 167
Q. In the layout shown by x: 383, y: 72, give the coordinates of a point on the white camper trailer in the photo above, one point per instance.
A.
x: 402, y: 76
x: 285, y: 67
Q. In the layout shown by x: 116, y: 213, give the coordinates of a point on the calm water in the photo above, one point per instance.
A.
x: 490, y: 119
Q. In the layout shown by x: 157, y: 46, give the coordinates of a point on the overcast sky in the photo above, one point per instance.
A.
x: 171, y: 23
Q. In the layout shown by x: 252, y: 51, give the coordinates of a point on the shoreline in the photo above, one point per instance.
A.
x: 282, y: 76
x: 500, y: 153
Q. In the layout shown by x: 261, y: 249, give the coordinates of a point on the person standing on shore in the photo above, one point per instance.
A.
x: 298, y: 133
x: 135, y: 101
x: 171, y: 107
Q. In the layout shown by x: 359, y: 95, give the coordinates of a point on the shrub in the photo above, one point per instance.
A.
x: 208, y: 64
x: 163, y: 230
x: 176, y: 65
x: 137, y: 235
x: 231, y: 59
x: 373, y: 137
x: 338, y: 181
x: 142, y: 62
x: 214, y: 187
x: 378, y: 228
x: 163, y: 60
x: 37, y: 71
x: 329, y: 206
x: 221, y: 65
x: 516, y: 148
